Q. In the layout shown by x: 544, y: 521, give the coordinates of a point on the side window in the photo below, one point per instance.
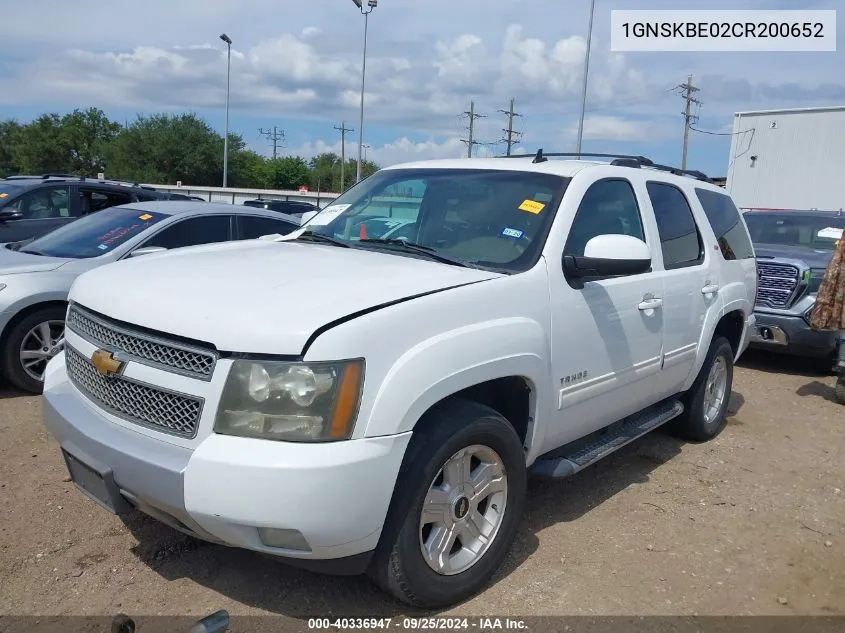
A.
x: 193, y: 232
x: 609, y: 207
x: 44, y: 203
x: 94, y: 200
x: 401, y: 200
x: 253, y: 227
x: 679, y: 237
x: 727, y: 224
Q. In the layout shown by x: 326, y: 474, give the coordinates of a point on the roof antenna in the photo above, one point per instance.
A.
x: 539, y: 158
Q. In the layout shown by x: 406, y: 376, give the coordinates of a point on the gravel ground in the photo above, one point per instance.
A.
x: 752, y: 523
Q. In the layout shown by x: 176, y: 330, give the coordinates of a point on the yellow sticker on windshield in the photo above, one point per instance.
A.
x: 146, y: 216
x: 4, y: 195
x: 532, y: 207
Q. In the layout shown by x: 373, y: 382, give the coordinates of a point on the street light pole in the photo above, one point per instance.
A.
x: 586, y: 72
x: 228, y: 41
x: 371, y: 4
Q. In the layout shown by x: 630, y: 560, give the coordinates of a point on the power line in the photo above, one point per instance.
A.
x: 274, y: 136
x: 473, y: 115
x: 686, y: 91
x: 343, y: 130
x: 511, y: 137
x: 722, y: 133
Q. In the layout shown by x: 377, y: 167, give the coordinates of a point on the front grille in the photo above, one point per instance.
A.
x: 133, y: 401
x: 144, y: 348
x: 776, y: 284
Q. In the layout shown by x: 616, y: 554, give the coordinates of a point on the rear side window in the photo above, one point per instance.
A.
x: 727, y: 224
x: 253, y: 227
x: 679, y: 237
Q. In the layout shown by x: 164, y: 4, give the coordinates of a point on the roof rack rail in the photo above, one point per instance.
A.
x: 621, y: 160
x: 48, y: 176
x: 22, y: 177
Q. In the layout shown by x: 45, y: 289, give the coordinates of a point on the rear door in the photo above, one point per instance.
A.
x: 250, y: 227
x: 738, y: 278
x: 691, y: 281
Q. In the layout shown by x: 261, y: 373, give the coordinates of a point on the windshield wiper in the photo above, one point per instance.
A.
x: 311, y: 236
x: 419, y: 249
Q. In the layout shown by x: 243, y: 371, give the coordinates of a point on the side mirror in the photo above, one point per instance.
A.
x: 608, y: 256
x: 10, y: 214
x: 147, y: 250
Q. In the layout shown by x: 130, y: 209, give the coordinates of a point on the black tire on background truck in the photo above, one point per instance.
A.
x: 458, y: 445
x: 705, y: 414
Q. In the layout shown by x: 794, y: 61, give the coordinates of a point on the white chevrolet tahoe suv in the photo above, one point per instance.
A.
x: 355, y: 403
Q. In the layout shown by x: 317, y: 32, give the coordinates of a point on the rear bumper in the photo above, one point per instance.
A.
x: 791, y: 335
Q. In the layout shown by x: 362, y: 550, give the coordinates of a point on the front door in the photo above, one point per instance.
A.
x: 607, y: 337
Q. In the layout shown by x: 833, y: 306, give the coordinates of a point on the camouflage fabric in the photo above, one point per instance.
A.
x: 829, y: 313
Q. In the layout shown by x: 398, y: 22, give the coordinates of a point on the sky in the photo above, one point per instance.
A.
x: 297, y: 66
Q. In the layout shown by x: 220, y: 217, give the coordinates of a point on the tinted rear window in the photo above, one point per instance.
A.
x: 727, y: 224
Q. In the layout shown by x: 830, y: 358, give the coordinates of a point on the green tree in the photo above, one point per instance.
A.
x: 290, y: 172
x: 87, y: 136
x: 162, y: 148
x: 40, y: 147
x: 10, y: 131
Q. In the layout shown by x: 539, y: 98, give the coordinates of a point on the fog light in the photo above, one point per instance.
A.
x: 283, y: 538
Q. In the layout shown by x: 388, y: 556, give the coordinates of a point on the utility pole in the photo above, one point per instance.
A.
x: 511, y: 137
x: 687, y: 91
x: 470, y: 142
x: 343, y: 130
x: 273, y: 136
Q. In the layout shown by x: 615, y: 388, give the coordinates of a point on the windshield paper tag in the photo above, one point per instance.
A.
x: 831, y: 233
x: 514, y: 233
x: 532, y: 207
x: 146, y: 216
x: 328, y: 214
x: 4, y: 195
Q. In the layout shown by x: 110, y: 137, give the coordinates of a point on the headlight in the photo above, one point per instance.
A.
x: 291, y: 402
x: 814, y: 278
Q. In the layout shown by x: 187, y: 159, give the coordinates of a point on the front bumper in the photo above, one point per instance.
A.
x: 791, y: 335
x: 336, y: 495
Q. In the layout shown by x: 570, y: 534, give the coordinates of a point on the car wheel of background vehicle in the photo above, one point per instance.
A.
x: 456, y: 508
x: 706, y: 403
x: 31, y: 343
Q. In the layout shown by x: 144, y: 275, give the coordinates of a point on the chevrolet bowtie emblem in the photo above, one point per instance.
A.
x: 104, y: 362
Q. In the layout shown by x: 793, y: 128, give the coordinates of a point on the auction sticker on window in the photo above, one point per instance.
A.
x: 328, y: 214
x: 831, y: 233
x: 514, y: 233
x: 532, y: 206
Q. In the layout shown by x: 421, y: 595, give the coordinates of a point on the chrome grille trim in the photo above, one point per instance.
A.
x: 154, y: 351
x: 135, y: 401
x: 777, y: 284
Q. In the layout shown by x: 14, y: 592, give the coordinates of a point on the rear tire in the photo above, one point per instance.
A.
x: 706, y: 402
x: 840, y: 389
x: 474, y: 518
x: 27, y: 334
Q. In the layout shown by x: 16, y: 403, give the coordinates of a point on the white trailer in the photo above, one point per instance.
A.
x: 788, y: 159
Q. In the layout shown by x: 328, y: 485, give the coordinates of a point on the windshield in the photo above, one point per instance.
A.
x: 95, y: 234
x: 496, y: 219
x: 809, y: 230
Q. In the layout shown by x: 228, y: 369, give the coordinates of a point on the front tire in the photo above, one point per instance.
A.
x: 31, y: 343
x: 456, y: 509
x: 706, y: 403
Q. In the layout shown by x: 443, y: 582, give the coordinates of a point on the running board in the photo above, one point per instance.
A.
x: 634, y: 427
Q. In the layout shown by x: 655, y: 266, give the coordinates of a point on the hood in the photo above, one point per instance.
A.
x: 12, y: 262
x: 810, y: 256
x: 257, y: 296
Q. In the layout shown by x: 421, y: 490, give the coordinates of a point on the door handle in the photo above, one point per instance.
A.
x: 710, y: 289
x: 650, y: 304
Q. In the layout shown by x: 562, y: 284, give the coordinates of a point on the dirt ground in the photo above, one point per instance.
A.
x: 750, y: 524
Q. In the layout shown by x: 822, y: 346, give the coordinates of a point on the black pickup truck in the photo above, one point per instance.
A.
x: 793, y: 250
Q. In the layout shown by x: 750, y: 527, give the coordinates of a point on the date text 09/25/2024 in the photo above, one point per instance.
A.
x: 418, y: 624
